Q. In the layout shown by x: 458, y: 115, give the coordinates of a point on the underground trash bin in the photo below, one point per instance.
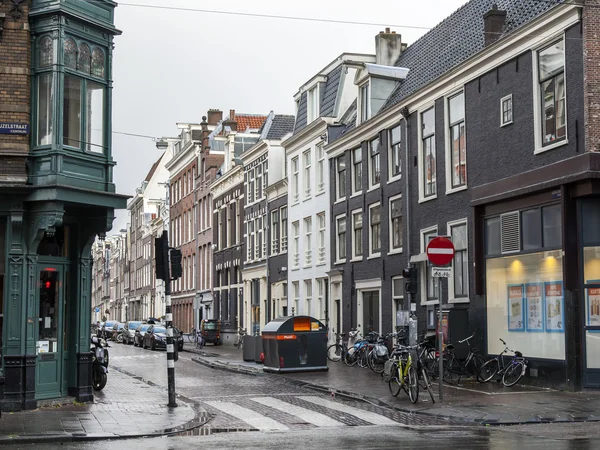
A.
x: 295, y: 344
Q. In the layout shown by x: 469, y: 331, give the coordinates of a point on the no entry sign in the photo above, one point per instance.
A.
x: 440, y: 251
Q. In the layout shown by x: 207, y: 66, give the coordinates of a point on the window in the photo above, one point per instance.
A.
x: 320, y: 310
x: 341, y: 238
x: 45, y: 121
x: 397, y: 298
x: 431, y: 285
x: 458, y: 149
x: 341, y: 177
x: 274, y: 232
x: 506, y: 110
x: 356, y: 170
x: 258, y: 230
x: 365, y: 106
x: 459, y: 284
x: 395, y: 224
x: 551, y: 74
x: 428, y: 174
x: 308, y: 296
x: 320, y: 169
x: 395, y: 152
x: 265, y: 171
x: 284, y: 229
x: 258, y: 183
x: 357, y: 229
x: 296, y: 286
x: 322, y: 228
x: 374, y: 163
x: 531, y: 229
x: 46, y: 52
x: 308, y: 241
x: 250, y: 185
x: 375, y: 229
x: 295, y: 180
x: 250, y: 240
x: 312, y: 104
x: 296, y: 248
x: 306, y: 156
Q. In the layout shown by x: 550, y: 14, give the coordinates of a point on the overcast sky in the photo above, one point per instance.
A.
x: 172, y: 66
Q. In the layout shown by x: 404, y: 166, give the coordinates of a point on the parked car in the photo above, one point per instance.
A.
x: 138, y: 337
x: 106, y: 329
x: 155, y: 337
x: 116, y: 331
x: 129, y: 333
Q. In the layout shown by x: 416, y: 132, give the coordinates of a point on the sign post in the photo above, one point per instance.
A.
x: 440, y: 252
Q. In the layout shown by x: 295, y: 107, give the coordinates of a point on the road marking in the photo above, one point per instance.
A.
x: 307, y: 415
x: 367, y: 416
x: 241, y: 395
x: 247, y: 415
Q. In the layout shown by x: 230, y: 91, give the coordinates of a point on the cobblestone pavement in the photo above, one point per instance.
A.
x: 125, y: 408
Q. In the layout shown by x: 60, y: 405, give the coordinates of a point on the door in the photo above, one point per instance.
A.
x: 370, y: 311
x: 50, y: 333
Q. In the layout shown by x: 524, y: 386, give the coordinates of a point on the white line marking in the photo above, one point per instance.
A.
x: 440, y: 251
x: 307, y: 415
x: 367, y: 416
x: 247, y: 415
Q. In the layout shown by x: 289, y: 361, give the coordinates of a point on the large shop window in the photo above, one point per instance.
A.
x: 591, y: 275
x: 525, y: 294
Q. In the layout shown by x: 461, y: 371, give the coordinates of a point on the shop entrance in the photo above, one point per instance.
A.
x: 50, y: 334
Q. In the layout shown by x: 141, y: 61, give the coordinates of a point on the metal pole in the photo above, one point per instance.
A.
x: 169, y: 325
x: 440, y: 341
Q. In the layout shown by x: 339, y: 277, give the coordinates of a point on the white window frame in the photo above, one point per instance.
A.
x: 283, y: 231
x: 364, y: 88
x: 296, y: 247
x: 257, y: 182
x: 355, y: 256
x: 308, y: 291
x: 296, y: 287
x: 322, y: 239
x: 537, y: 100
x: 512, y: 110
x: 320, y: 155
x: 448, y: 140
x: 391, y: 176
x: 250, y: 188
x: 337, y: 178
x: 371, y: 253
x: 425, y: 267
x: 320, y: 298
x: 451, y: 298
x: 312, y: 104
x: 275, y: 232
x: 307, y: 163
x: 356, y: 190
x: 295, y: 162
x: 307, y: 222
x: 249, y: 238
x: 339, y: 260
x: 372, y: 184
x: 396, y: 297
x: 393, y: 250
x: 420, y: 160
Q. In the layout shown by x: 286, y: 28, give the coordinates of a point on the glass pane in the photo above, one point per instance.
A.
x: 98, y: 63
x: 46, y: 55
x: 396, y: 207
x: 371, y: 311
x: 591, y: 265
x: 551, y: 60
x: 548, y: 105
x: 459, y: 237
x: 492, y: 235
x: 72, y: 112
x: 428, y: 120
x: 531, y: 227
x: 561, y: 130
x: 395, y: 135
x: 551, y: 222
x: 45, y: 123
x: 95, y: 117
x: 84, y: 59
x: 70, y: 54
x: 456, y: 106
x: 592, y: 349
x: 397, y: 287
x: 48, y: 317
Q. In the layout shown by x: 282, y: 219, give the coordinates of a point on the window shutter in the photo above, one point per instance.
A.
x: 510, y: 232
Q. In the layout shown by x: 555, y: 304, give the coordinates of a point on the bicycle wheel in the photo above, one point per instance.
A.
x: 451, y: 372
x: 395, y: 383
x: 513, y: 373
x: 413, y: 384
x: 362, y: 357
x: 487, y: 371
x: 351, y: 358
x: 475, y: 364
x: 334, y: 352
x: 375, y: 363
x: 192, y: 336
x: 426, y: 383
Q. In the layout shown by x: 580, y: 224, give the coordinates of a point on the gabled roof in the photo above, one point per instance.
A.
x: 278, y: 127
x: 456, y: 39
x: 153, y: 168
x: 330, y: 92
x: 245, y: 121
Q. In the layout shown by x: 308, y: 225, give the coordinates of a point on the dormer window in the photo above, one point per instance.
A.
x: 365, y: 102
x: 312, y: 106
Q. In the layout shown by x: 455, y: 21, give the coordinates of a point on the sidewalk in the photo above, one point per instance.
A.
x: 471, y: 402
x: 126, y: 408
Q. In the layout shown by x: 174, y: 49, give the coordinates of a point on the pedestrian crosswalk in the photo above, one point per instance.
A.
x: 285, y: 412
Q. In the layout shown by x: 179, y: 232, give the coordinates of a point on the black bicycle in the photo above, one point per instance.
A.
x: 456, y: 368
x: 509, y: 373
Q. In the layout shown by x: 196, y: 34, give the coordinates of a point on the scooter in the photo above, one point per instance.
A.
x: 99, y: 363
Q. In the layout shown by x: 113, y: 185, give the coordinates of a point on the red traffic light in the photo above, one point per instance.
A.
x: 48, y: 285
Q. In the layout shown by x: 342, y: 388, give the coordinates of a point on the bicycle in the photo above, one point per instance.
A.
x: 199, y: 340
x: 191, y: 337
x: 240, y: 340
x: 337, y: 351
x: 423, y: 369
x: 402, y: 373
x: 456, y: 368
x: 511, y: 373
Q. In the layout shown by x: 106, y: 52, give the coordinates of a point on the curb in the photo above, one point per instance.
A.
x: 219, y: 365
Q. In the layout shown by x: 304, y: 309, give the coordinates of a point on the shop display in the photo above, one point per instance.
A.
x: 516, y: 320
x: 593, y: 306
x: 555, y: 314
x: 534, y: 308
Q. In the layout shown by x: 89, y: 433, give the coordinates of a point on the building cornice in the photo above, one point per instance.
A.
x: 308, y: 133
x: 232, y: 178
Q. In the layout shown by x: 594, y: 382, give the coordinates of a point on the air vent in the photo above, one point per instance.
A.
x: 510, y: 232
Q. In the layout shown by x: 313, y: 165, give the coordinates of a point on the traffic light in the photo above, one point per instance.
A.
x: 161, y: 248
x: 411, y: 275
x: 176, y: 269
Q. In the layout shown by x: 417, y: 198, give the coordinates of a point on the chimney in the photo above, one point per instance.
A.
x: 388, y: 47
x: 232, y: 115
x: 230, y: 122
x: 493, y: 25
x: 214, y: 116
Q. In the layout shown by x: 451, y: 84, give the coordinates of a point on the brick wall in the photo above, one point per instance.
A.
x: 591, y: 74
x: 15, y: 60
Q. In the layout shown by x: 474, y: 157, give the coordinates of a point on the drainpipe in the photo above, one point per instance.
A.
x: 404, y: 111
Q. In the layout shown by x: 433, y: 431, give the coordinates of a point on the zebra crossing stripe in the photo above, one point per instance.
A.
x: 367, y: 416
x: 247, y: 415
x: 307, y: 415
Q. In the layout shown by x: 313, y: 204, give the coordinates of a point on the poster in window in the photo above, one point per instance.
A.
x: 516, y: 319
x: 593, y: 306
x: 534, y: 307
x: 555, y: 308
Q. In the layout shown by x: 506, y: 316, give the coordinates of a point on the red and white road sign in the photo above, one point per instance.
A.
x: 440, y: 251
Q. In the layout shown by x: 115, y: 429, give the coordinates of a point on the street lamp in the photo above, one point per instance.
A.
x: 162, y: 144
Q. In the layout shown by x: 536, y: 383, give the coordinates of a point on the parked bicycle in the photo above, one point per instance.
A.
x: 338, y: 351
x: 191, y: 337
x: 200, y: 342
x: 510, y: 373
x: 424, y: 367
x: 454, y: 368
x: 401, y: 373
x: 240, y: 340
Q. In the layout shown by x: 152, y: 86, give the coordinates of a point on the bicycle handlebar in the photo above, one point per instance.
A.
x: 467, y: 339
x: 502, y: 340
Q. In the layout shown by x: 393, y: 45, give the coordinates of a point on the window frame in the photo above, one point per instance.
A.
x: 355, y: 255
x: 391, y: 145
x: 320, y: 155
x: 340, y: 259
x: 372, y: 157
x: 372, y: 253
x: 449, y: 129
x: 356, y: 168
x: 312, y: 104
x: 452, y: 298
x: 296, y: 245
x: 307, y: 244
x: 393, y: 249
x: 306, y: 182
x: 364, y: 96
x: 295, y: 163
x: 504, y: 99
x: 421, y: 159
x: 283, y: 231
x: 275, y: 232
x: 342, y: 157
x: 425, y: 268
x: 322, y: 238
